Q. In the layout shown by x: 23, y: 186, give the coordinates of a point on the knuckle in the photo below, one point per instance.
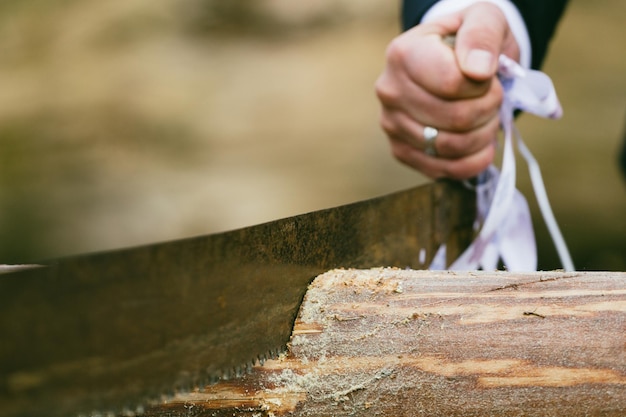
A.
x: 406, y: 155
x: 465, y: 168
x: 497, y: 94
x: 397, y: 50
x: 461, y: 117
x: 399, y: 152
x: 386, y: 90
x: 449, y: 82
x: 416, y: 160
x: 455, y: 146
x: 388, y: 85
x: 460, y: 145
x: 466, y: 115
x: 389, y: 126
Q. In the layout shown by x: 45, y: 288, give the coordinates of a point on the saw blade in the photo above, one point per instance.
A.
x: 112, y: 330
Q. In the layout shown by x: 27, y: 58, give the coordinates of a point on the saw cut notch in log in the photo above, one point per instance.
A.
x: 409, y: 343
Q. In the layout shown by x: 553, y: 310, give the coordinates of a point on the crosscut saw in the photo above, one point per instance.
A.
x: 105, y: 332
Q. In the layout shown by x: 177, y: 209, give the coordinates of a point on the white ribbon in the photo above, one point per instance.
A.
x: 506, y: 231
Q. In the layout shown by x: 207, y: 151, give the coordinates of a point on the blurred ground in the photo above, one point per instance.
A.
x: 126, y: 122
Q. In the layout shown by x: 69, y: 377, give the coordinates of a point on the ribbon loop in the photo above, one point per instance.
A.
x: 506, y: 231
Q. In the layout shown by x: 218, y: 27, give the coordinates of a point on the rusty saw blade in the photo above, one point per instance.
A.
x: 113, y: 330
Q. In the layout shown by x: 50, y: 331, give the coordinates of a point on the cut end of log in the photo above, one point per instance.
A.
x: 409, y: 343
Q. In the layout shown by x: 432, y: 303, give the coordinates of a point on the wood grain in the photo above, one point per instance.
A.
x: 408, y: 343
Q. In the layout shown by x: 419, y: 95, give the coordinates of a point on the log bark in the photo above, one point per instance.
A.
x: 409, y: 343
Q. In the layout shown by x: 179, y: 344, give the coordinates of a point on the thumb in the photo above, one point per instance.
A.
x: 480, y: 39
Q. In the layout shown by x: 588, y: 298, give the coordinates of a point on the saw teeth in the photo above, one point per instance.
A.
x: 213, y: 379
x: 126, y: 412
x: 168, y: 395
x: 101, y: 414
x: 203, y: 383
x: 183, y: 389
x: 198, y: 383
x: 165, y: 397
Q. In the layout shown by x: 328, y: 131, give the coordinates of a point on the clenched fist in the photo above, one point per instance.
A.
x: 440, y: 103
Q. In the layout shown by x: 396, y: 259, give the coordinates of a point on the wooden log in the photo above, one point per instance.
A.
x: 409, y: 343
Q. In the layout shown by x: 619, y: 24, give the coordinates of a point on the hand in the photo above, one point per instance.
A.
x: 456, y: 91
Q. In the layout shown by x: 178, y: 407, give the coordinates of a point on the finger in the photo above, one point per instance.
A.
x: 400, y: 127
x: 450, y: 115
x: 480, y: 39
x: 454, y: 115
x: 433, y: 167
x: 453, y: 145
x: 420, y: 57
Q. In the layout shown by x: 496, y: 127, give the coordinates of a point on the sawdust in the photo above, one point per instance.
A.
x: 363, y: 338
x: 334, y: 304
x: 332, y: 385
x: 401, y: 342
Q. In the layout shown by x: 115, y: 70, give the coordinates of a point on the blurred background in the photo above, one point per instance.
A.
x: 124, y: 122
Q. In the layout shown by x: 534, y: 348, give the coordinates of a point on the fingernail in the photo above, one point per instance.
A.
x: 479, y: 62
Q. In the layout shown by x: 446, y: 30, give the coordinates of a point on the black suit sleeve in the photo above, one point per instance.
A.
x: 413, y: 11
x: 541, y: 18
